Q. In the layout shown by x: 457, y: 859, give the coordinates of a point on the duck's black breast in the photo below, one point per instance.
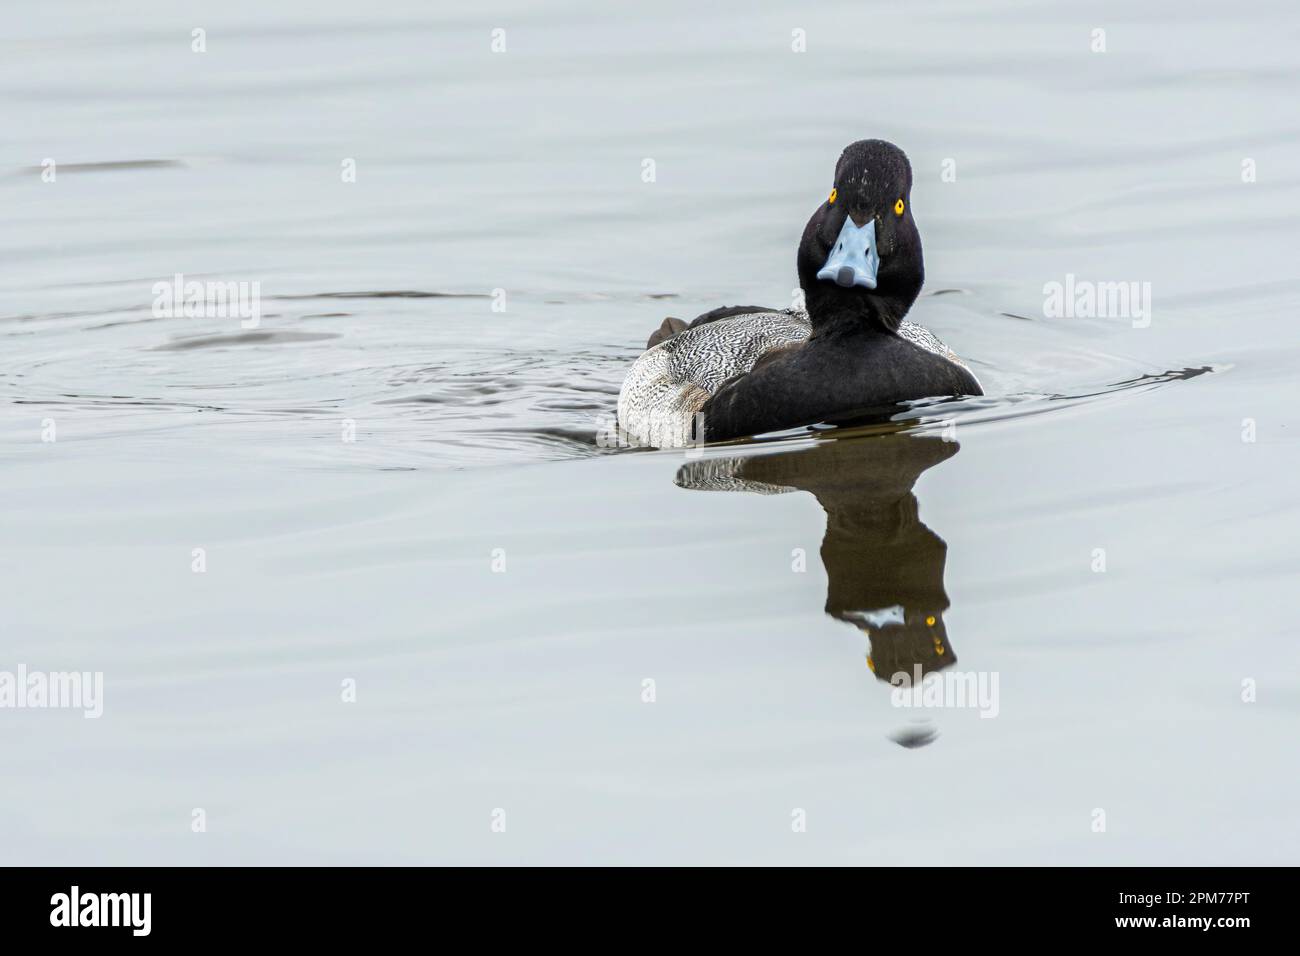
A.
x: 827, y: 378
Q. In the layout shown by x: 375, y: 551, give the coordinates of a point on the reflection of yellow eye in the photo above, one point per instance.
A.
x: 831, y: 200
x: 898, y: 208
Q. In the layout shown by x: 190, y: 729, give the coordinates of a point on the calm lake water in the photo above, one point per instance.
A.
x: 630, y: 656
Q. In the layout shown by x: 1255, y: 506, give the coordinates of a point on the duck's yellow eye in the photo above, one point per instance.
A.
x: 898, y: 208
x: 831, y: 200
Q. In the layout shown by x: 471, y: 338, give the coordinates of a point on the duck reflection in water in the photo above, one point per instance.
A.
x: 884, y: 567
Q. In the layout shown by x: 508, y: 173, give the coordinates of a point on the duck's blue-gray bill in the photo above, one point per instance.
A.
x: 853, y: 259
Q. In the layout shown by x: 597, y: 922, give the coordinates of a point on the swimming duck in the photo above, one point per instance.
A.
x: 744, y: 370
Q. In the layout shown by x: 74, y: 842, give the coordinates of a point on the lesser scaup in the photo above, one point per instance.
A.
x: 743, y: 370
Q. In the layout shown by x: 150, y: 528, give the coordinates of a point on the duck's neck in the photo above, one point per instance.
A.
x: 857, y: 312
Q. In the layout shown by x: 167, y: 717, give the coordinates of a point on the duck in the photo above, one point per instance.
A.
x: 849, y: 353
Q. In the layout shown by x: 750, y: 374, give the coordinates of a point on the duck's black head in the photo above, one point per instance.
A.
x: 860, y: 257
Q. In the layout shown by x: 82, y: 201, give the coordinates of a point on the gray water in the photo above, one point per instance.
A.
x: 1110, y: 530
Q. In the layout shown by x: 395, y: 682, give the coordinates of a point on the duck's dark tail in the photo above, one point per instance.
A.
x: 666, y: 331
x: 671, y: 326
